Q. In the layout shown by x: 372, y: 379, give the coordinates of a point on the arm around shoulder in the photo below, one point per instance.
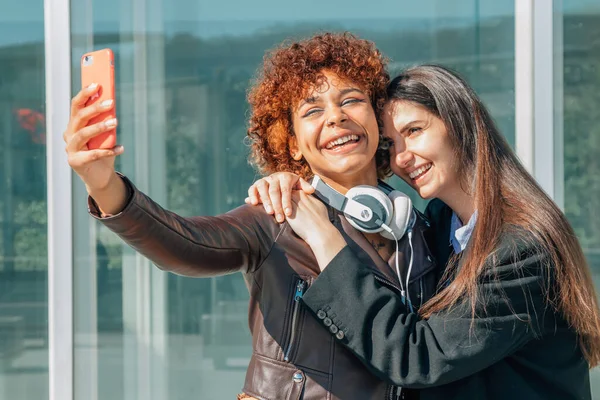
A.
x: 407, y: 351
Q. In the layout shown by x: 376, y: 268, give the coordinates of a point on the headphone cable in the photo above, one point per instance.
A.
x: 410, y: 265
x: 404, y: 293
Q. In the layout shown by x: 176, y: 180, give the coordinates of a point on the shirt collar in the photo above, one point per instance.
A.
x: 459, y: 234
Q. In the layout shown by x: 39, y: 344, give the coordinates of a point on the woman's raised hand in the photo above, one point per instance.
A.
x: 96, y: 168
x: 275, y: 193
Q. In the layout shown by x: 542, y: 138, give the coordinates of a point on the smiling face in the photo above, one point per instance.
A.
x: 422, y: 153
x: 335, y: 131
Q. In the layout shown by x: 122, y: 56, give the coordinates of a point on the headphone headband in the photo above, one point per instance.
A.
x: 335, y: 199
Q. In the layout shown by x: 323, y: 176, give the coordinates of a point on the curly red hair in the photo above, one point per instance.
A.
x: 288, y: 72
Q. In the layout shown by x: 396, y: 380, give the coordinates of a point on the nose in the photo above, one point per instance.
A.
x: 403, y: 157
x: 335, y: 117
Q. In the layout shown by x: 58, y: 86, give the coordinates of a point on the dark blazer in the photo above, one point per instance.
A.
x: 517, y: 348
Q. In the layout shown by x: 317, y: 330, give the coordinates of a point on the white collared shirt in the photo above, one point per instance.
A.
x: 459, y: 233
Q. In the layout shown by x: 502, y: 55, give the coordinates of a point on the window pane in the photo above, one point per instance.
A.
x: 183, y: 68
x: 23, y: 237
x: 581, y: 144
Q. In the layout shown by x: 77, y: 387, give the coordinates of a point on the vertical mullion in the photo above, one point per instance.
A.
x: 543, y: 83
x: 143, y: 266
x: 535, y: 90
x: 157, y: 167
x: 524, y: 126
x: 559, y: 154
x: 59, y: 190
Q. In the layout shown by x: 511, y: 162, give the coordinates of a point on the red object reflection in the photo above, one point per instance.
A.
x: 33, y: 122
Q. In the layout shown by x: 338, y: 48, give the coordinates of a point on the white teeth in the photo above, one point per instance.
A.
x: 342, y: 140
x: 419, y: 171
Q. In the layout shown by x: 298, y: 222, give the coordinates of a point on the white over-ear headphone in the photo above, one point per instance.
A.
x: 370, y: 209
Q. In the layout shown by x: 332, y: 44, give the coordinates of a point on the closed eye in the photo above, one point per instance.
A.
x: 312, y: 111
x: 352, y: 101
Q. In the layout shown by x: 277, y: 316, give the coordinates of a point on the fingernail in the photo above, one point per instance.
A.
x: 279, y: 218
x: 268, y: 208
x: 288, y: 211
x: 110, y: 122
x: 119, y: 149
x: 107, y: 103
x: 93, y: 86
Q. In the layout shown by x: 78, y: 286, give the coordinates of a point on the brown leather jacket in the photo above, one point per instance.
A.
x: 293, y: 357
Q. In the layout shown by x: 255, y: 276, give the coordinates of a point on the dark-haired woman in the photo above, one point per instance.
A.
x: 515, y: 315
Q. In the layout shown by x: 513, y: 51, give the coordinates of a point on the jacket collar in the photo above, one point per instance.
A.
x: 361, y: 247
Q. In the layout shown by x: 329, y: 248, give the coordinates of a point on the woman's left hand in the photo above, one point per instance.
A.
x: 310, y: 221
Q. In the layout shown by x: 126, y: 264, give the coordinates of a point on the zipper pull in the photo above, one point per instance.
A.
x: 299, y: 290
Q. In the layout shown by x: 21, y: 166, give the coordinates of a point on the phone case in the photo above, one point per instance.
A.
x: 98, y: 67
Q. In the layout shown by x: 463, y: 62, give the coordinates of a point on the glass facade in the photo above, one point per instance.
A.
x: 183, y: 68
x: 579, y: 108
x: 182, y: 71
x: 23, y: 222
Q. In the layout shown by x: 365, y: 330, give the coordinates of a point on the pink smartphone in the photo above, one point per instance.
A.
x: 99, y: 67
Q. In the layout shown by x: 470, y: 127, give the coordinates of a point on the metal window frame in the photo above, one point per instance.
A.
x: 538, y: 88
x: 57, y: 42
x: 524, y: 128
x: 559, y: 108
x: 543, y: 92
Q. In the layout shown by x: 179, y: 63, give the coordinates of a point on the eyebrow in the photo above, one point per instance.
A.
x: 314, y: 99
x: 308, y: 100
x: 411, y: 123
x: 350, y: 90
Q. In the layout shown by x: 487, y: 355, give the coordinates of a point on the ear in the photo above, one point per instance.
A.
x: 294, y: 150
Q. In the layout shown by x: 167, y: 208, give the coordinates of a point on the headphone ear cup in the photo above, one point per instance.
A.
x: 402, y: 214
x: 377, y: 201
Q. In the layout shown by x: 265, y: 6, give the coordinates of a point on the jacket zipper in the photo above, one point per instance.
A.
x: 389, y: 395
x: 394, y: 286
x: 394, y: 393
x: 297, y: 296
x: 388, y: 282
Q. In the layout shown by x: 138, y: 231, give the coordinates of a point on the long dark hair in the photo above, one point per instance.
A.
x: 505, y: 196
